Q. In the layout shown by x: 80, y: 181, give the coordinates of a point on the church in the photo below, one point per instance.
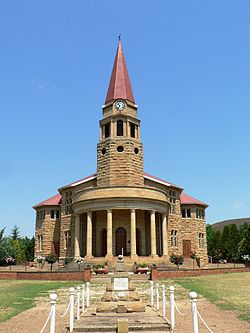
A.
x: 120, y: 209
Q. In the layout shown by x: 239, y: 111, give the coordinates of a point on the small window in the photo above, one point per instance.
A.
x: 119, y: 128
x: 201, y: 240
x: 183, y: 213
x: 172, y: 206
x: 107, y: 130
x: 67, y: 236
x: 186, y: 212
x: 103, y: 151
x: 132, y: 130
x: 174, y: 238
x: 40, y: 243
x: 136, y: 150
x: 57, y: 214
x: 52, y: 214
x: 120, y: 149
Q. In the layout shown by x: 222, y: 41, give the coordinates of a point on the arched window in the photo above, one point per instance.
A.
x: 119, y: 131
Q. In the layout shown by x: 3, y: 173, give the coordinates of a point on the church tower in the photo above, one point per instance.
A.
x: 120, y: 151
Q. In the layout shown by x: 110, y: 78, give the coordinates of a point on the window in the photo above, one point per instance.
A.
x: 67, y: 235
x: 40, y: 243
x: 132, y: 130
x: 120, y: 149
x: 52, y: 214
x: 119, y: 129
x: 107, y: 130
x: 57, y: 214
x: 68, y: 202
x: 200, y: 213
x: 172, y: 206
x: 201, y: 240
x: 186, y: 212
x: 38, y: 216
x: 174, y: 238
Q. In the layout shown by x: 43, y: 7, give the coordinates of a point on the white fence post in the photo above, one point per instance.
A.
x: 157, y: 296
x: 171, y: 300
x: 152, y: 292
x: 163, y: 301
x: 193, y: 298
x: 71, y: 309
x: 87, y: 293
x: 53, y: 298
x: 83, y: 298
x: 78, y: 302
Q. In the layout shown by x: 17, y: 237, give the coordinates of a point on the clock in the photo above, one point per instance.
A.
x: 120, y: 105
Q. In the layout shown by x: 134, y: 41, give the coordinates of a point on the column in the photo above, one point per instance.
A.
x: 153, y: 233
x: 133, y: 233
x: 89, y: 235
x: 165, y: 234
x: 109, y: 234
x: 77, y: 236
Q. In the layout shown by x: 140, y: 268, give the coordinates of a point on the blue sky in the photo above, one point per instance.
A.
x: 189, y: 64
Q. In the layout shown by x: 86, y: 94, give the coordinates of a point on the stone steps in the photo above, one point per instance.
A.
x: 148, y: 321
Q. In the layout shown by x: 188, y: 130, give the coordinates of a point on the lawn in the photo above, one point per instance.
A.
x: 228, y: 291
x: 18, y: 296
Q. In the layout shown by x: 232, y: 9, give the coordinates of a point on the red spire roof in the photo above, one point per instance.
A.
x: 53, y: 201
x: 119, y: 85
x: 188, y: 200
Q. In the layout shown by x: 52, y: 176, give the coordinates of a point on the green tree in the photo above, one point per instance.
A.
x: 15, y: 233
x: 28, y: 246
x: 244, y: 245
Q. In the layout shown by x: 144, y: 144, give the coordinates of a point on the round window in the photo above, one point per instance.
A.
x: 103, y: 151
x: 136, y: 150
x: 120, y: 149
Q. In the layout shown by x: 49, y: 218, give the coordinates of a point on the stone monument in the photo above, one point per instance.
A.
x: 120, y: 295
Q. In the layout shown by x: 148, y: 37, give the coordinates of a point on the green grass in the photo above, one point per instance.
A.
x: 228, y: 291
x: 18, y: 296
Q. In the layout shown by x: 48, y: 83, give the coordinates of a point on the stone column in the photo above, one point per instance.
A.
x: 89, y: 235
x: 165, y: 234
x: 109, y: 254
x: 77, y: 236
x: 133, y: 234
x: 153, y: 234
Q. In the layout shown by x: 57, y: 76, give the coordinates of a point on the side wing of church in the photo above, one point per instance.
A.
x: 120, y: 209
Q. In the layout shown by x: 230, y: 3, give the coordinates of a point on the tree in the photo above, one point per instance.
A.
x: 51, y: 259
x: 28, y: 245
x: 244, y: 244
x: 15, y: 233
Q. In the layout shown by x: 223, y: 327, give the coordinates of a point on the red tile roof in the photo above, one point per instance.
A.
x: 119, y: 85
x: 53, y: 201
x: 56, y: 199
x: 188, y: 200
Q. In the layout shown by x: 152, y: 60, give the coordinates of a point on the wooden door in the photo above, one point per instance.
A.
x: 186, y: 248
x: 120, y: 241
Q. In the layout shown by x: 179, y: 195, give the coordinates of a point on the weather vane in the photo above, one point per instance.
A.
x: 119, y: 37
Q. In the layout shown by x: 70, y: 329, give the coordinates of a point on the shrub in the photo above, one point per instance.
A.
x: 176, y: 260
x: 51, y: 259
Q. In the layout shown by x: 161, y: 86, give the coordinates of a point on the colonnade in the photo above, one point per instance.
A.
x: 132, y: 231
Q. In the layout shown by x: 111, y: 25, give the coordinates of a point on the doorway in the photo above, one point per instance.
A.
x: 120, y: 241
x: 186, y: 248
x: 104, y: 243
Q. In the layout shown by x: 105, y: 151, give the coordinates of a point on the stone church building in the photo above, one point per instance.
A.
x: 120, y: 208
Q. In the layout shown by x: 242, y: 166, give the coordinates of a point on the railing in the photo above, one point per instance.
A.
x: 156, y: 299
x: 74, y: 307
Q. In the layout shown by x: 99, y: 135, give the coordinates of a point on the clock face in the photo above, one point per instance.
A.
x: 119, y: 105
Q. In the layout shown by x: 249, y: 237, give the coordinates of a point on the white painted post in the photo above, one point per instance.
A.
x: 78, y: 302
x: 152, y: 292
x: 87, y: 293
x: 163, y: 301
x: 172, y: 307
x: 71, y: 309
x: 193, y: 298
x: 53, y: 298
x: 157, y: 296
x: 83, y: 298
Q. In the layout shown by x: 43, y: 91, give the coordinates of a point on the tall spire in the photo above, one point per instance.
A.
x: 119, y: 85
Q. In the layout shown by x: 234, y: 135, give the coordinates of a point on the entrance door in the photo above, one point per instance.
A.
x: 120, y: 241
x: 104, y: 242
x: 186, y: 248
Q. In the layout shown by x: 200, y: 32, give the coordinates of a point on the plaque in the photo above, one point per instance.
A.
x: 120, y: 283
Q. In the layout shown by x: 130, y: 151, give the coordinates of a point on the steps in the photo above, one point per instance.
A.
x: 148, y: 321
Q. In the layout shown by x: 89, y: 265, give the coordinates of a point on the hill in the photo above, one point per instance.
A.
x: 238, y: 222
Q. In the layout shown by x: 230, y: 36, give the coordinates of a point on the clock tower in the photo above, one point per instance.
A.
x: 120, y: 151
